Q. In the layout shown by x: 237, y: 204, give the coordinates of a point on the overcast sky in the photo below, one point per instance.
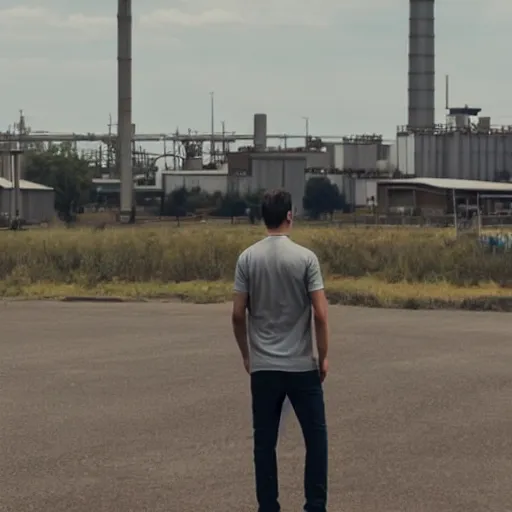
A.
x: 342, y: 63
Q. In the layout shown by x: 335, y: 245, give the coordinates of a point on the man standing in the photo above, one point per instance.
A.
x: 279, y: 284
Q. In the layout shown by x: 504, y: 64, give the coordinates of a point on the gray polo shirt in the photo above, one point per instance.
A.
x: 279, y: 275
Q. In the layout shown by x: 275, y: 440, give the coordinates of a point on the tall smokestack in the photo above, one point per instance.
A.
x: 421, y: 64
x: 124, y: 113
x: 260, y: 132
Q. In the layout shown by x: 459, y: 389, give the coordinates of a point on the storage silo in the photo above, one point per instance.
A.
x: 5, y: 163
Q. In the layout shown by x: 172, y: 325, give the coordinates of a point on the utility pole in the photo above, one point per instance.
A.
x: 16, y: 184
x: 223, y: 139
x: 212, y: 143
x: 124, y: 113
x: 109, y: 145
x: 306, y: 119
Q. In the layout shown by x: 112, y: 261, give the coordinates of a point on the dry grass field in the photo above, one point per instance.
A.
x: 367, y: 266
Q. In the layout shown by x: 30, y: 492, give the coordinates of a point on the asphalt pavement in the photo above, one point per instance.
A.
x: 145, y: 407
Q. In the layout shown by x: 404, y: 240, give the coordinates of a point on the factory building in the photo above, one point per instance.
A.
x: 359, y: 155
x: 265, y: 171
x: 466, y: 146
x: 462, y: 149
x: 35, y: 203
x: 438, y: 196
x: 357, y: 192
x: 239, y: 162
x: 255, y: 171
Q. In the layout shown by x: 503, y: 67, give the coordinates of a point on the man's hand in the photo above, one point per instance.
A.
x: 323, y: 368
x: 247, y: 365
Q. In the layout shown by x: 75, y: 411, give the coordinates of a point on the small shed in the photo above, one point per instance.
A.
x: 36, y: 203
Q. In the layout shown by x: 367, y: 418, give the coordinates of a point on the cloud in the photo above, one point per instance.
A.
x: 188, y: 19
x: 47, y: 67
x: 244, y: 12
x: 24, y: 22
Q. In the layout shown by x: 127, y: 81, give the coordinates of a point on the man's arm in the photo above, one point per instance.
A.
x: 320, y: 311
x: 238, y: 316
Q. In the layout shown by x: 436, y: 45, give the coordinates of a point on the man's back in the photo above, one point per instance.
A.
x: 280, y: 285
x: 278, y: 275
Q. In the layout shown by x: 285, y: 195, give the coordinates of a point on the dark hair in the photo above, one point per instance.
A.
x: 275, y: 207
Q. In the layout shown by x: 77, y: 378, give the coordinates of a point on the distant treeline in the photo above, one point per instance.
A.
x: 321, y: 197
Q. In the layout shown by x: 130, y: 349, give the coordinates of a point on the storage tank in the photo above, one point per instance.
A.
x: 5, y: 165
x: 260, y: 132
x: 405, y: 154
x: 472, y: 155
x: 355, y: 156
x: 317, y: 159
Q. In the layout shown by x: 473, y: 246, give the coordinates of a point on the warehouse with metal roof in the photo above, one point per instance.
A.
x: 440, y: 196
x: 35, y: 203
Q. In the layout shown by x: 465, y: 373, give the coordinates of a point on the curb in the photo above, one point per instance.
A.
x: 117, y: 300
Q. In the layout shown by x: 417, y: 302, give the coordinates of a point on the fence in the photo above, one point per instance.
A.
x: 497, y: 242
x: 437, y: 221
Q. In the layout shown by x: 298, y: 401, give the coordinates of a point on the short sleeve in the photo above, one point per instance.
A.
x: 314, y: 278
x: 241, y: 275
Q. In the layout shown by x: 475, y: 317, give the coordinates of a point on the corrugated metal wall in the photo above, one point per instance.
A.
x: 364, y: 190
x: 356, y: 191
x: 267, y: 173
x: 287, y: 173
x: 456, y: 155
x: 294, y: 181
x: 9, y: 204
x: 426, y: 152
x: 37, y: 206
x: 317, y: 159
x: 353, y: 156
x: 405, y: 162
x: 5, y: 205
x: 5, y: 166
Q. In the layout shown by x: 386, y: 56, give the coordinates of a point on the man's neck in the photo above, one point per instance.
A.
x: 278, y: 232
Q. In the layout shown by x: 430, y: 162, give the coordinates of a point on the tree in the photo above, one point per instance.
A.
x: 195, y: 200
x: 200, y: 201
x: 68, y: 173
x: 321, y: 197
x: 177, y: 203
x: 231, y: 205
x: 253, y: 200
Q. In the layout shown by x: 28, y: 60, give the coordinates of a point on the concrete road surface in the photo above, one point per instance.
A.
x: 145, y: 407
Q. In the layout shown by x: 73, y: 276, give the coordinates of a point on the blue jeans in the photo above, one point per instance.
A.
x: 304, y: 390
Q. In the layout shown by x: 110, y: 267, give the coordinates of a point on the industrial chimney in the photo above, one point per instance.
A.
x: 124, y: 102
x: 260, y: 132
x: 421, y: 65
